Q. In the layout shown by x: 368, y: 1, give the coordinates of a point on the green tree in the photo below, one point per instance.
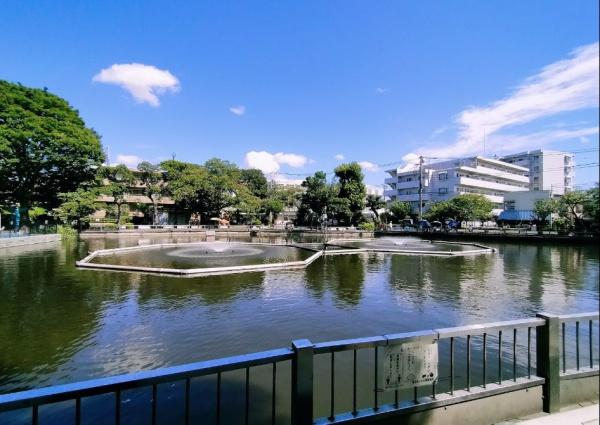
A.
x: 400, y: 210
x: 77, y: 206
x: 154, y: 185
x: 375, y: 203
x: 570, y: 207
x: 315, y: 199
x: 471, y: 207
x: 45, y: 147
x: 591, y: 205
x: 271, y: 207
x: 256, y: 181
x: 120, y: 179
x: 351, y: 187
x: 543, y: 209
x: 440, y: 211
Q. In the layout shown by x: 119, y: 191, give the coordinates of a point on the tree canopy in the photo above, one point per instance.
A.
x: 45, y: 147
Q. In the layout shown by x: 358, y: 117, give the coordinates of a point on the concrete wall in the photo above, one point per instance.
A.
x: 483, y: 411
x: 28, y: 240
x: 574, y: 391
x: 525, y: 201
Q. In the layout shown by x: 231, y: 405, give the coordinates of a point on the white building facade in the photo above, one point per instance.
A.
x: 445, y: 180
x: 548, y: 170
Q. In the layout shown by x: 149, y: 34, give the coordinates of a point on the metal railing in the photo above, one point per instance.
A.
x: 335, y: 382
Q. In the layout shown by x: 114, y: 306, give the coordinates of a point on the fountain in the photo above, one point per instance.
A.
x: 210, y: 258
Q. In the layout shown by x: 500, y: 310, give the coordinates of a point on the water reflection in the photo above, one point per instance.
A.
x: 63, y: 324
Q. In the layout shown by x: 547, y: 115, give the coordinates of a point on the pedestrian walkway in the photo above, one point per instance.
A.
x: 574, y: 415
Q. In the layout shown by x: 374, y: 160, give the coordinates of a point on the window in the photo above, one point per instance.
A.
x: 408, y: 179
x: 443, y: 176
x: 536, y: 179
x: 443, y: 190
x: 509, y: 205
x: 536, y: 188
x: 536, y: 168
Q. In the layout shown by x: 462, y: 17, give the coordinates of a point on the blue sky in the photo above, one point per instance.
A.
x: 287, y: 86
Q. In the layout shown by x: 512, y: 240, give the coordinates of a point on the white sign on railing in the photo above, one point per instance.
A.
x: 409, y: 364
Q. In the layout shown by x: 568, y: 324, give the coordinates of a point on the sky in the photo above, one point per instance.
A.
x: 296, y: 87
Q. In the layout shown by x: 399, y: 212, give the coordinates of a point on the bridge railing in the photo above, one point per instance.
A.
x: 339, y: 381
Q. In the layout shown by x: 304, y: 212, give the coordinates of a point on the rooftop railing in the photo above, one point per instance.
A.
x: 329, y: 382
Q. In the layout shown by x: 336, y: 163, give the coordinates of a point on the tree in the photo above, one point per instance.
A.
x: 120, y: 179
x: 45, y: 147
x: 440, y: 211
x: 375, y: 203
x: 271, y: 207
x: 471, y: 207
x: 316, y: 198
x: 154, y: 185
x: 400, y: 210
x: 351, y: 187
x: 77, y: 206
x: 255, y: 180
x: 543, y: 209
x: 591, y: 206
x: 570, y: 207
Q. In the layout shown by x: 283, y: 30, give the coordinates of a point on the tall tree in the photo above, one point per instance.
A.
x: 120, y: 179
x: 255, y: 180
x: 375, y: 203
x: 316, y: 198
x: 570, y: 207
x: 45, y: 147
x: 471, y: 207
x: 154, y: 185
x: 351, y: 187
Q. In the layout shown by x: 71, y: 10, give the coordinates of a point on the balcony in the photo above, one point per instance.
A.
x: 391, y: 180
x: 491, y: 172
x: 471, y: 182
x: 413, y: 197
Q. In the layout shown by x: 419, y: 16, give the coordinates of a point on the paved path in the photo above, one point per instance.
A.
x: 587, y: 415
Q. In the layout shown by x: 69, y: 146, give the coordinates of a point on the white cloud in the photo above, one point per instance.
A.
x: 567, y: 85
x: 291, y: 159
x: 144, y: 82
x: 513, y: 142
x: 584, y: 140
x: 381, y: 90
x: 238, y: 110
x: 271, y: 163
x: 339, y: 157
x: 129, y: 160
x: 374, y: 190
x: 368, y: 166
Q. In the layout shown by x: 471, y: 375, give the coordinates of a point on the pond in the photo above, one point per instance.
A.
x: 61, y: 324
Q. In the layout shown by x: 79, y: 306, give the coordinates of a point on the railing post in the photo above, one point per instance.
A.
x: 548, y: 360
x: 302, y: 382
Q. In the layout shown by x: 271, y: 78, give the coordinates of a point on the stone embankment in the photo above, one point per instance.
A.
x: 28, y: 240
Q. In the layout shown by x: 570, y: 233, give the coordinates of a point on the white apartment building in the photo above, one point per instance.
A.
x: 548, y: 170
x: 444, y: 180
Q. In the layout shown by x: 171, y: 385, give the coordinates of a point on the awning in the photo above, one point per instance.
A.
x: 516, y: 215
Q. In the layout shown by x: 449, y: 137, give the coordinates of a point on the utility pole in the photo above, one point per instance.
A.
x: 420, y: 188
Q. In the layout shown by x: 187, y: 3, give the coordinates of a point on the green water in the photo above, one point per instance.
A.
x: 60, y: 324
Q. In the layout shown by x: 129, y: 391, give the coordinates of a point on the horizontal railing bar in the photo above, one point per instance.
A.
x: 579, y: 317
x: 349, y: 344
x: 139, y: 379
x: 583, y: 372
x: 428, y: 403
x: 489, y: 327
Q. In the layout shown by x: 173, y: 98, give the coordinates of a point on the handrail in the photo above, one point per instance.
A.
x: 579, y: 316
x: 139, y: 379
x: 489, y: 327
